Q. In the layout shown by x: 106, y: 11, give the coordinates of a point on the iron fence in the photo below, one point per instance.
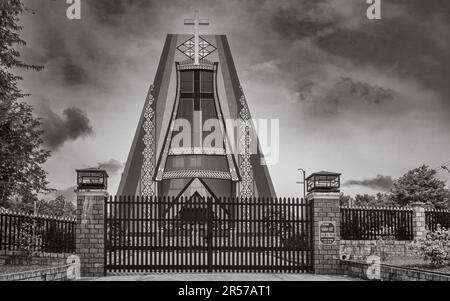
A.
x: 207, y: 234
x: 436, y: 217
x: 371, y: 223
x: 26, y: 232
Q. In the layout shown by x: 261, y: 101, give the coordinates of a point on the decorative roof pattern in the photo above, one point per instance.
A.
x: 148, y: 153
x: 197, y: 151
x: 209, y: 174
x: 245, y: 139
x: 205, y: 48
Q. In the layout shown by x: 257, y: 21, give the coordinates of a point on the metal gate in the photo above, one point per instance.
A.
x: 158, y: 234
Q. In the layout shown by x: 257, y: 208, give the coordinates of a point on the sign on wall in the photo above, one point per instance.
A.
x: 327, y: 232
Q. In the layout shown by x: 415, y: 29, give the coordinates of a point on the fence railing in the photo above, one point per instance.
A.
x: 196, y: 234
x: 370, y: 223
x: 436, y: 217
x: 26, y: 232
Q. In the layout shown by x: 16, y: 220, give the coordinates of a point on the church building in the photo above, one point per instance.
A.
x: 196, y: 83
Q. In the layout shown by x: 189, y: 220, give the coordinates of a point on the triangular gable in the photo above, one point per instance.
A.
x: 196, y: 187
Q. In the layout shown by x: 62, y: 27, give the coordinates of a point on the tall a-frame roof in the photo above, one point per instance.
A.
x: 148, y: 143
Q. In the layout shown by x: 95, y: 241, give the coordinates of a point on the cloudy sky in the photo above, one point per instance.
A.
x: 369, y: 99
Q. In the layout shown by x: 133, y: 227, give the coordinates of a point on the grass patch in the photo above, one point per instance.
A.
x: 10, y: 269
x: 415, y: 262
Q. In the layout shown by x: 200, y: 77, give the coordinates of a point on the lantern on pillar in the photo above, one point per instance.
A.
x: 324, y: 181
x: 92, y: 178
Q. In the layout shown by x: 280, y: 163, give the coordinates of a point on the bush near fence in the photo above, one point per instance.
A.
x: 437, y: 217
x: 25, y: 232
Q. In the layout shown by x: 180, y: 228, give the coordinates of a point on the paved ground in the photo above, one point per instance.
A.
x: 225, y: 277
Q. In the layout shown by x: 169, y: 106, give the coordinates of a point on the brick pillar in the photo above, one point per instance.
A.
x: 419, y: 225
x: 89, y: 240
x: 326, y: 218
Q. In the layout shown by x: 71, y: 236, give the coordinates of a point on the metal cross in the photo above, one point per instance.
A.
x: 196, y: 22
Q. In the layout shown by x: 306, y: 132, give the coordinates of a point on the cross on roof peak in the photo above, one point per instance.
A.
x: 196, y: 21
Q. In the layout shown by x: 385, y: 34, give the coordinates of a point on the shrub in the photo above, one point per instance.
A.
x: 435, y: 247
x: 28, y: 239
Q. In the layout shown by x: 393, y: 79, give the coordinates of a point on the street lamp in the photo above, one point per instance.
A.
x: 445, y: 168
x: 324, y: 181
x: 92, y: 178
x: 303, y: 183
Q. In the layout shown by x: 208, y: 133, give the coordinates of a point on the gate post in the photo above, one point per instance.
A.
x: 89, y: 230
x: 326, y: 225
x: 419, y: 223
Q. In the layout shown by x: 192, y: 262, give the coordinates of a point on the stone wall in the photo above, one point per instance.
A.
x: 360, y: 249
x: 390, y: 272
x: 54, y: 266
x: 46, y: 274
x: 36, y: 258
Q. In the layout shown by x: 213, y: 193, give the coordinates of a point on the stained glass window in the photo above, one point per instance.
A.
x: 196, y: 95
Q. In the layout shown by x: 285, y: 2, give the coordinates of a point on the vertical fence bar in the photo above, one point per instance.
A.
x: 290, y: 238
x: 232, y: 226
x: 105, y: 236
x: 176, y: 234
x: 1, y: 231
x: 261, y: 235
x: 138, y: 236
x: 151, y: 215
x: 117, y: 229
x: 10, y: 227
x: 121, y: 236
x: 284, y: 254
x: 145, y: 232
x: 300, y: 224
x: 209, y: 216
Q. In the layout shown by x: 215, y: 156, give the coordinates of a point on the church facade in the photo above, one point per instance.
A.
x: 184, y: 145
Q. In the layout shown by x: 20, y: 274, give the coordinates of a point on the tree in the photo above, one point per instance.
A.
x: 345, y: 200
x: 380, y: 199
x: 421, y: 185
x: 21, y: 174
x: 59, y: 207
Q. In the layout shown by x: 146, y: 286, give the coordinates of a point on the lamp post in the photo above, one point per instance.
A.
x: 324, y: 181
x: 303, y: 183
x: 445, y: 168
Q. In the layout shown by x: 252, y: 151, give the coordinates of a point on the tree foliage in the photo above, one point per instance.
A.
x: 21, y: 174
x: 417, y: 185
x: 59, y: 207
x: 421, y: 185
x: 380, y: 199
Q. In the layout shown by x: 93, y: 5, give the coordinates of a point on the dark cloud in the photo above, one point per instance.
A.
x: 411, y: 37
x: 325, y: 40
x: 72, y: 125
x: 301, y: 19
x: 108, y: 9
x: 380, y: 182
x: 130, y: 16
x: 345, y: 94
x: 77, y: 123
x: 364, y: 91
x: 112, y: 166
